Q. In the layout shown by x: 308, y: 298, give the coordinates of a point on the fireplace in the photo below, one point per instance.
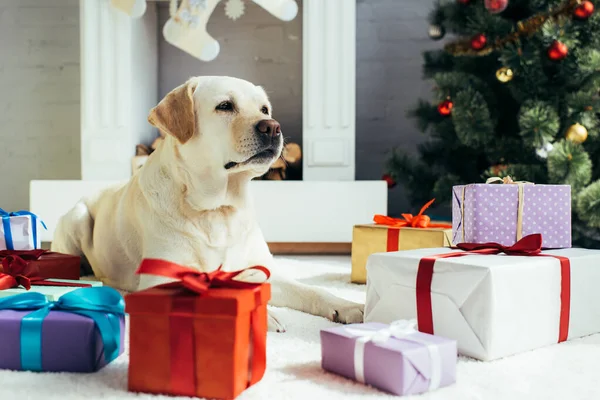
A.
x: 119, y: 80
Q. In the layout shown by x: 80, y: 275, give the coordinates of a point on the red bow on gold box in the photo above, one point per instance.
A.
x: 393, y: 234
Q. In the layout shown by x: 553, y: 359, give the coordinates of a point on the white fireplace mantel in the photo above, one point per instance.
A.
x: 119, y: 80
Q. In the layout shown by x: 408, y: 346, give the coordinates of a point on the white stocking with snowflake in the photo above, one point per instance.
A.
x: 186, y: 29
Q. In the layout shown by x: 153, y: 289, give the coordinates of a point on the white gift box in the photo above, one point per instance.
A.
x: 23, y: 231
x: 492, y: 305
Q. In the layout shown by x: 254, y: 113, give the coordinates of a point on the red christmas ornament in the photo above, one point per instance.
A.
x: 445, y: 107
x: 390, y: 181
x: 495, y: 6
x: 478, y: 41
x: 557, y: 51
x: 584, y: 10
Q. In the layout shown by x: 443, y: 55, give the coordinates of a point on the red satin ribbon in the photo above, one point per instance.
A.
x: 530, y: 245
x: 416, y: 221
x: 183, y: 366
x: 17, y: 271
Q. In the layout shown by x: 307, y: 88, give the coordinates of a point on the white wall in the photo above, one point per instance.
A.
x: 39, y: 95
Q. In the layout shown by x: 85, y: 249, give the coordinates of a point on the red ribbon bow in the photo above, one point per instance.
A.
x: 196, y: 281
x: 530, y: 245
x: 16, y: 270
x: 417, y: 221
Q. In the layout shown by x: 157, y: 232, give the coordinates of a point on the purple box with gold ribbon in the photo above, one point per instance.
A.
x: 504, y: 213
x: 81, y: 332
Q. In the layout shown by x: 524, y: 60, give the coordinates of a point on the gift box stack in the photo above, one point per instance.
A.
x: 392, y: 356
x: 510, y: 282
x: 203, y: 335
x: 49, y: 319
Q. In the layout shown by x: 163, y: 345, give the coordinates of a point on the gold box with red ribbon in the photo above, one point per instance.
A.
x: 392, y: 234
x: 201, y: 336
x: 494, y: 300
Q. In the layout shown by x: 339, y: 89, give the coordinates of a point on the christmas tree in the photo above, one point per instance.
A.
x: 516, y: 94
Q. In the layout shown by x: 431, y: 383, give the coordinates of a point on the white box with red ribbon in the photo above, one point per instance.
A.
x: 494, y: 305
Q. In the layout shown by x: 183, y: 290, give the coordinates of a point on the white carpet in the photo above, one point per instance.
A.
x: 567, y: 371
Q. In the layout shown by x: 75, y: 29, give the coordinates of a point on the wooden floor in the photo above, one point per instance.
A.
x: 310, y: 248
x: 294, y: 248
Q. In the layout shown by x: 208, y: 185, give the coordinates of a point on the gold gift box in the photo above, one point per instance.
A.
x: 373, y: 238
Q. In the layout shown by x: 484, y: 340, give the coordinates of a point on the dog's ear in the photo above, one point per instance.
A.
x: 175, y: 113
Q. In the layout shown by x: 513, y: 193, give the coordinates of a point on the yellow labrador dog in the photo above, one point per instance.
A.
x: 190, y: 203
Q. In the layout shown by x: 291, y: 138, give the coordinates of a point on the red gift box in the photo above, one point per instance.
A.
x: 48, y: 264
x: 203, y: 336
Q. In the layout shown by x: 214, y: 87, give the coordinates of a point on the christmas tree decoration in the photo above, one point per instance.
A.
x: 526, y: 27
x: 584, y: 10
x: 133, y: 8
x: 234, y: 9
x: 436, y: 32
x: 558, y: 51
x: 389, y: 180
x: 478, y: 42
x: 544, y: 150
x: 504, y: 74
x: 577, y: 133
x: 445, y: 107
x: 495, y: 6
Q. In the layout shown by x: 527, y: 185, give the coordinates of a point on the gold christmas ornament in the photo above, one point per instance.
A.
x: 577, y: 133
x: 504, y: 74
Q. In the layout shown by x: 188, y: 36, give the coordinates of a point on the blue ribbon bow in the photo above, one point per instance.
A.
x: 102, y: 304
x: 7, y: 231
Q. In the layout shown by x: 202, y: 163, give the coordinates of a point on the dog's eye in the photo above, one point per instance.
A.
x: 265, y: 110
x: 225, y: 106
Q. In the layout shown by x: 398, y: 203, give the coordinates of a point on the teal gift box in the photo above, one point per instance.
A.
x: 82, y: 331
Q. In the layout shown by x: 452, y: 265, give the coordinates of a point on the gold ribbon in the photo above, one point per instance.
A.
x: 507, y: 180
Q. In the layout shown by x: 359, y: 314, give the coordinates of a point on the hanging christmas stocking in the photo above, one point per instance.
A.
x: 133, y: 8
x: 186, y: 29
x: 285, y: 10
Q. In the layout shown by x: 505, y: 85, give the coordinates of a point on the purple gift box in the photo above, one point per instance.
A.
x: 70, y: 342
x: 484, y: 213
x: 408, y: 364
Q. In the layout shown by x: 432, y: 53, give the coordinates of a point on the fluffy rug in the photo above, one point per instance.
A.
x: 565, y: 371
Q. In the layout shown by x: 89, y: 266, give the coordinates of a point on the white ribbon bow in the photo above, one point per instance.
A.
x: 403, y: 329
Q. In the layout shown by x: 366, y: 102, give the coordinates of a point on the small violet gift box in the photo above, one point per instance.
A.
x: 81, y: 332
x: 395, y: 358
x: 19, y: 230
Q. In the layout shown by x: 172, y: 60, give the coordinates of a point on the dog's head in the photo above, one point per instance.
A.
x: 220, y: 123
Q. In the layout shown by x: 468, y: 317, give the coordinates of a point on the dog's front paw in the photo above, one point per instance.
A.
x: 274, y: 325
x: 348, y: 313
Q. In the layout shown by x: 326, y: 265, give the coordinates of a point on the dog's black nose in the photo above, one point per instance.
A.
x: 269, y: 127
